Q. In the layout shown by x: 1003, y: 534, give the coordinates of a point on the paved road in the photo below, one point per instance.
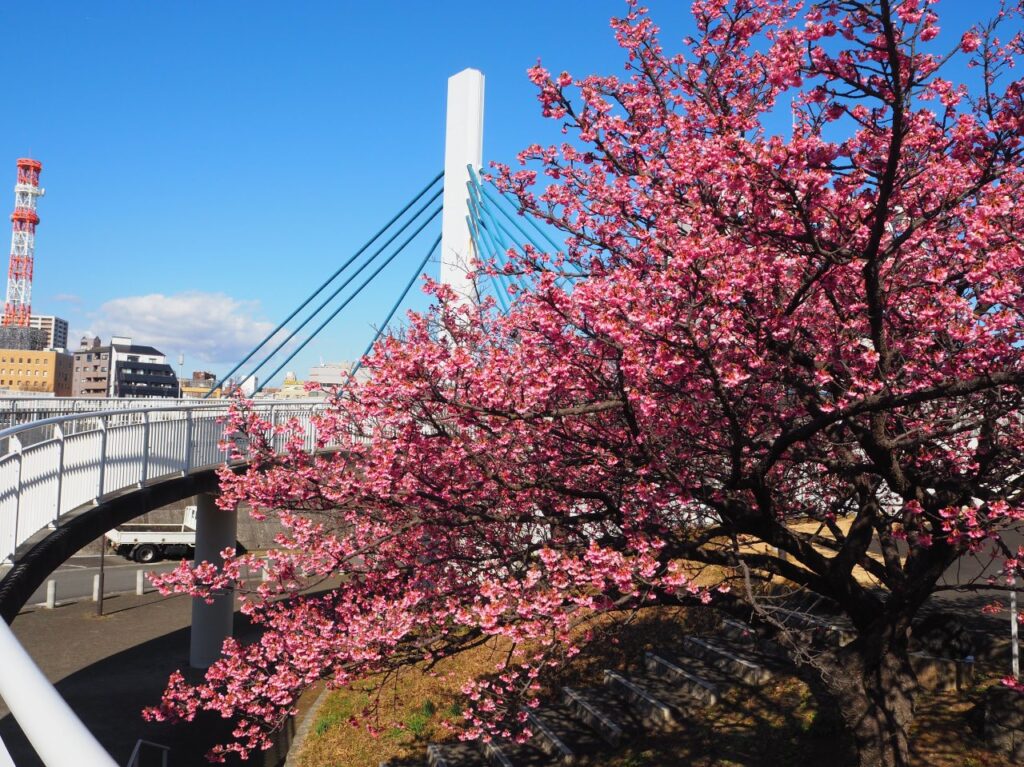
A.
x: 75, y: 577
x: 108, y: 668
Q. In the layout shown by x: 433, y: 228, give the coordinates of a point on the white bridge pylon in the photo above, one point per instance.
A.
x: 463, y: 147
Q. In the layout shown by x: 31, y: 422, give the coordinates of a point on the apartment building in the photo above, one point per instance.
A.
x: 91, y: 369
x: 56, y: 329
x: 139, y: 371
x: 122, y: 369
x: 36, y: 372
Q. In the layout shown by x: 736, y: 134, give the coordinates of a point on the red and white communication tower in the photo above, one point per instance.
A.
x: 18, y: 308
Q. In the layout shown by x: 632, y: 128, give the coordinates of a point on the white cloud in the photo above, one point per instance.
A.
x: 211, y: 328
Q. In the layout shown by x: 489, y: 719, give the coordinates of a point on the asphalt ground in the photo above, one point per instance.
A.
x: 109, y: 668
x: 75, y: 578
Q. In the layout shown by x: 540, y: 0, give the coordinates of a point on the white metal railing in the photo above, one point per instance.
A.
x: 54, y: 465
x: 133, y: 761
x: 51, y: 466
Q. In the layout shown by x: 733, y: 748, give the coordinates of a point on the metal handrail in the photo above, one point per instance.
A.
x: 133, y: 760
x: 200, y: 405
x: 43, y: 711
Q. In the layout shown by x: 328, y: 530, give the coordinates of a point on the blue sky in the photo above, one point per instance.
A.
x: 207, y: 164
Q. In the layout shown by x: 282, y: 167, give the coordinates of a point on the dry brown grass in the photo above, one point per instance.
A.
x: 412, y: 710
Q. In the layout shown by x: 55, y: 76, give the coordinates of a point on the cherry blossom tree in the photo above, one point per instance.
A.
x: 760, y: 357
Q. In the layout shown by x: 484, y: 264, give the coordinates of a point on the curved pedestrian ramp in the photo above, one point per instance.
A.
x: 58, y: 468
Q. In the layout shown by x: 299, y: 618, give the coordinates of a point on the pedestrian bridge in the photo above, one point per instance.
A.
x: 56, y: 468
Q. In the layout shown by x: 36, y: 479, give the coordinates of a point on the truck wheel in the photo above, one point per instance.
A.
x: 145, y: 553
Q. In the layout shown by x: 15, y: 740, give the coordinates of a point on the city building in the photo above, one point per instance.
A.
x: 200, y: 385
x: 56, y: 329
x: 36, y: 372
x: 91, y: 369
x: 139, y: 371
x: 330, y: 373
x: 121, y: 369
x: 292, y: 388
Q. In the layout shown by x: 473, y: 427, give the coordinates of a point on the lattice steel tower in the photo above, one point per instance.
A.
x: 18, y: 308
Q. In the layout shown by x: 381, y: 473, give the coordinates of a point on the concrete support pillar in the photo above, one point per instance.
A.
x: 463, y: 145
x: 216, y: 530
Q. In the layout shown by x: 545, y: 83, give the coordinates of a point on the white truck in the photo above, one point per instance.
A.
x: 145, y: 542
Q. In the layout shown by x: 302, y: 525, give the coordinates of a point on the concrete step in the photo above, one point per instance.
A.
x: 560, y: 733
x: 738, y: 631
x: 742, y: 667
x: 832, y: 630
x: 466, y: 754
x: 676, y: 702
x: 654, y: 712
x: 507, y: 754
x: 605, y: 712
x: 682, y: 674
x: 766, y: 654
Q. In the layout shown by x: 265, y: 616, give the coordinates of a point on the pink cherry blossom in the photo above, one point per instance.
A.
x: 756, y: 357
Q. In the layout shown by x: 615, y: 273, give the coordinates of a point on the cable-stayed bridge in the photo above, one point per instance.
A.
x: 71, y: 470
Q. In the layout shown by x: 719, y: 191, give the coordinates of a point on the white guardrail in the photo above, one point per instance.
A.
x: 54, y: 465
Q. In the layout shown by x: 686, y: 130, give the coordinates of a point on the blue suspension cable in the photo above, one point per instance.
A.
x: 382, y: 328
x: 500, y: 244
x: 483, y: 193
x: 327, y: 282
x: 474, y: 236
x: 498, y: 233
x: 474, y: 206
x: 515, y: 221
x: 501, y: 261
x: 530, y: 221
x: 349, y: 300
x: 348, y: 280
x: 504, y: 234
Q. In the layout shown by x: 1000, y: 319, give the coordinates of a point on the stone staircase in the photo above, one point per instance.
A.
x: 657, y: 697
x: 664, y: 692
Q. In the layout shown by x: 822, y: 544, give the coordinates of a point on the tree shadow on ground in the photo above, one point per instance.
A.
x: 788, y: 721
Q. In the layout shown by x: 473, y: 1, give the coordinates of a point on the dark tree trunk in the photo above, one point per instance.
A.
x: 875, y: 687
